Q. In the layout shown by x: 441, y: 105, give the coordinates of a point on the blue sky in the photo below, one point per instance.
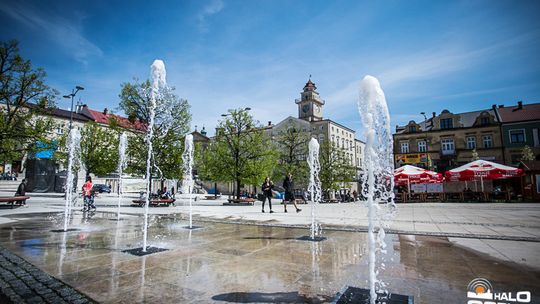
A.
x: 220, y: 54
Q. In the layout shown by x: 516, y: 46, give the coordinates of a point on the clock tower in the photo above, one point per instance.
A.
x: 310, y: 103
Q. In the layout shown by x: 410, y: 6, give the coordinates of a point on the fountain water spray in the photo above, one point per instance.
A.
x: 377, y: 181
x: 314, y: 187
x: 74, y: 149
x: 187, y: 183
x: 121, y: 165
x: 158, y: 76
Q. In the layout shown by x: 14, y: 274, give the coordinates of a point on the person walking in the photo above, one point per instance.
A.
x: 288, y: 184
x: 267, y: 187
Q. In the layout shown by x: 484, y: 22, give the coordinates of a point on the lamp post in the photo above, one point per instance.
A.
x: 241, y: 110
x: 425, y: 139
x: 238, y: 133
x: 72, y: 96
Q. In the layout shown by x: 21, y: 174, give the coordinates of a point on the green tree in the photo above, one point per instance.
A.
x: 240, y: 152
x: 336, y: 167
x: 99, y: 149
x: 23, y: 96
x: 292, y: 147
x: 527, y: 153
x: 172, y: 120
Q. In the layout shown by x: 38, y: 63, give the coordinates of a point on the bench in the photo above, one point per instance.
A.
x: 330, y: 201
x: 240, y: 202
x: 20, y: 200
x: 154, y: 202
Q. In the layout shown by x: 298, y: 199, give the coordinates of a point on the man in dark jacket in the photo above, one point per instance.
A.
x: 21, y: 190
x: 288, y: 184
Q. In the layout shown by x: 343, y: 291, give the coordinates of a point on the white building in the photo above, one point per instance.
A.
x: 310, y: 119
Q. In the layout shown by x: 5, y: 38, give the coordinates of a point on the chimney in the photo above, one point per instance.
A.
x: 269, y: 123
x: 494, y: 106
x: 501, y: 106
x: 105, y: 111
x: 520, y: 104
x: 433, y: 114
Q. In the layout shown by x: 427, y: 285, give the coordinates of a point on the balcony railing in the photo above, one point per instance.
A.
x: 448, y: 152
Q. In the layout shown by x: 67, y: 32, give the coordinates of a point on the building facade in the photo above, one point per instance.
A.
x: 310, y: 119
x: 520, y: 127
x: 448, y: 140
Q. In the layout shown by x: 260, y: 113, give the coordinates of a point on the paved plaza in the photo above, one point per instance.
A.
x: 243, y: 255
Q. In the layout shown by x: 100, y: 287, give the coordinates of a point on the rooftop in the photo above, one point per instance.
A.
x: 104, y: 117
x: 520, y: 112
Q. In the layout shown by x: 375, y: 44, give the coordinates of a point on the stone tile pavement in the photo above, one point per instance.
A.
x: 21, y: 282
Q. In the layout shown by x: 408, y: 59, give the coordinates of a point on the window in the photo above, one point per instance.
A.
x: 447, y: 146
x: 517, y: 136
x: 60, y: 129
x: 321, y: 138
x: 471, y: 142
x: 446, y: 123
x: 484, y: 121
x: 422, y: 147
x: 404, y: 147
x: 333, y: 139
x: 488, y: 141
x: 343, y: 143
x: 412, y: 129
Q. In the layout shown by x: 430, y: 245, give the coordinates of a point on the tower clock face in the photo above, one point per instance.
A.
x: 317, y: 109
x: 305, y: 108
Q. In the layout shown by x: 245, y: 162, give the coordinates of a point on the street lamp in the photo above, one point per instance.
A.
x: 425, y: 117
x: 241, y: 110
x: 425, y: 140
x: 238, y: 133
x: 72, y: 95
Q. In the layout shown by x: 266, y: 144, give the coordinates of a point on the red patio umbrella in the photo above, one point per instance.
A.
x: 407, y: 175
x: 482, y: 170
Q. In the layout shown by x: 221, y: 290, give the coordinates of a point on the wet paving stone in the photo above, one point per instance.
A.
x: 233, y: 262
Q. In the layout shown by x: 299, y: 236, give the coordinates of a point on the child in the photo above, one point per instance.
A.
x: 88, y: 195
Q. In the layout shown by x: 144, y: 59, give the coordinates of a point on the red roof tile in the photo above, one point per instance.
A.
x: 103, y: 118
x: 514, y: 114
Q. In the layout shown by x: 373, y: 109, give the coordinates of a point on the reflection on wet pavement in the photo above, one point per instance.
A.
x: 247, y: 264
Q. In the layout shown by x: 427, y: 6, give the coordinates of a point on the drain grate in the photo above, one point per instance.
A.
x: 359, y: 295
x: 67, y: 230
x: 149, y: 250
x: 308, y: 238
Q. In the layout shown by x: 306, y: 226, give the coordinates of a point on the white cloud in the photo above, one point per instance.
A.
x: 405, y: 76
x: 212, y: 8
x: 65, y: 33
